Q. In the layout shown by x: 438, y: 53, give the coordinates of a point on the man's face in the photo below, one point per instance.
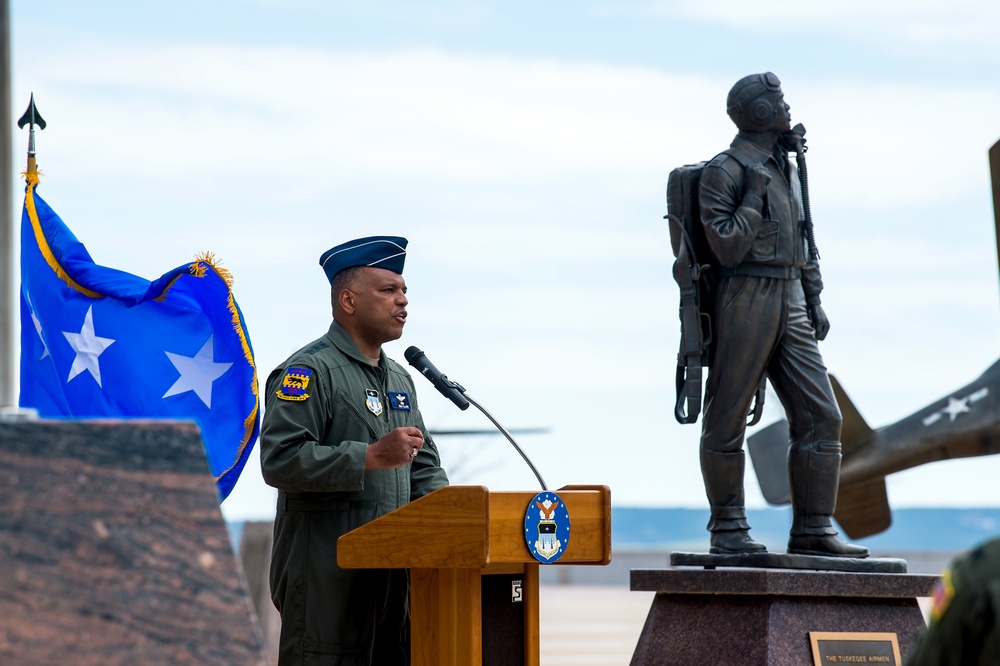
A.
x: 380, y: 305
x: 782, y: 119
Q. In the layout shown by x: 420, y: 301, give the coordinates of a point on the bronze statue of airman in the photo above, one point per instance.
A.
x: 767, y: 319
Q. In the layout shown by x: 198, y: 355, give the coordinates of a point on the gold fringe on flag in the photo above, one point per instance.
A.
x: 209, y: 258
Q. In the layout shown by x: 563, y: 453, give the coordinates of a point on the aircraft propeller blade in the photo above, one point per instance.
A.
x: 995, y: 182
x: 516, y: 431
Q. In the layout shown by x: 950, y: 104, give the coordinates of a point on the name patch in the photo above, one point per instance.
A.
x: 399, y: 400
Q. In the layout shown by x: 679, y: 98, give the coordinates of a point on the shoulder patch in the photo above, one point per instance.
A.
x: 316, y: 347
x: 944, y: 592
x: 294, y: 384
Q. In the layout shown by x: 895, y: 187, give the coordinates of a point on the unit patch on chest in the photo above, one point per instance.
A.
x: 399, y: 400
x: 372, y: 402
x: 294, y: 384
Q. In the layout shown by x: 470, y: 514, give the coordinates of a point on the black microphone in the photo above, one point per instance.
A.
x: 456, y: 393
x: 449, y: 389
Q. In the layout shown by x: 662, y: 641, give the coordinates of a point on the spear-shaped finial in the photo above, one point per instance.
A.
x: 31, y: 118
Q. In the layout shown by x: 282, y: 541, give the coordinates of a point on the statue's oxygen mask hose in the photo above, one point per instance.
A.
x: 796, y: 140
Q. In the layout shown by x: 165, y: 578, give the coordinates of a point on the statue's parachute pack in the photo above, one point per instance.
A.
x: 693, y: 274
x: 693, y: 271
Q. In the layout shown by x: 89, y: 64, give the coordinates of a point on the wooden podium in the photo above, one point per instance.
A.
x: 473, y: 582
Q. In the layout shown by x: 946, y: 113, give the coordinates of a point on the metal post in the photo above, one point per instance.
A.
x: 8, y: 256
x: 10, y: 302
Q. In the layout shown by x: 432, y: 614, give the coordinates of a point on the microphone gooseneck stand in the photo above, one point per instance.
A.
x: 456, y: 393
x: 505, y: 434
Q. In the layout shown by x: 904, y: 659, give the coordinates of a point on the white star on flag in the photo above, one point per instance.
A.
x: 197, y: 373
x: 88, y: 347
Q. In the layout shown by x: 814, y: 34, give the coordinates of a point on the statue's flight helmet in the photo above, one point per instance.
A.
x: 753, y: 101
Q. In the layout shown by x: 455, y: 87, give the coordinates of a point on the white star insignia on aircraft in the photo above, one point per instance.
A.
x: 88, y: 347
x: 957, y: 406
x: 197, y: 373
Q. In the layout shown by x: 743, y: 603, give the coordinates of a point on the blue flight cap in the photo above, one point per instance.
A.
x: 388, y: 252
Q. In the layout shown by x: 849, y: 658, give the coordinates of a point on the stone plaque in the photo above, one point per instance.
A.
x: 835, y: 647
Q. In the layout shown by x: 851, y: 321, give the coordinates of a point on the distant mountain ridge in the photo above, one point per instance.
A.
x: 940, y: 530
x: 673, y: 529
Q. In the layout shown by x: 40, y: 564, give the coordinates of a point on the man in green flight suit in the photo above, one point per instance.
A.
x: 344, y: 443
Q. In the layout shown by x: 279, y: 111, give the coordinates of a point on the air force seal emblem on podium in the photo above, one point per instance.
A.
x: 546, y: 527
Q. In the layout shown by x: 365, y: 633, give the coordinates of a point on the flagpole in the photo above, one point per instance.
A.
x: 10, y: 306
x: 8, y: 316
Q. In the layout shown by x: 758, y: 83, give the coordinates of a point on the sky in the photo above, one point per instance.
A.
x: 523, y: 149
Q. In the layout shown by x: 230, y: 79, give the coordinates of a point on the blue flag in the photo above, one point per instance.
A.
x: 101, y: 343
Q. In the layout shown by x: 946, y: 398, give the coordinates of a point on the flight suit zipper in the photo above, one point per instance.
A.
x: 364, y: 419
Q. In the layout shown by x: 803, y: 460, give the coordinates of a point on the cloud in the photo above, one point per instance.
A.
x: 972, y: 25
x: 422, y: 113
x: 316, y: 120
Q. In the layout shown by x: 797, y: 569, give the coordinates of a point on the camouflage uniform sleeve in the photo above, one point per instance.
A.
x: 296, y: 454
x: 957, y: 637
x: 962, y: 628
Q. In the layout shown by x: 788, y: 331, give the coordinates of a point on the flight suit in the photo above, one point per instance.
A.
x: 324, y: 406
x: 965, y: 625
x: 760, y: 326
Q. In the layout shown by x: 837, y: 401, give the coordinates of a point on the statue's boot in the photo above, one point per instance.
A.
x: 813, y: 475
x: 723, y: 474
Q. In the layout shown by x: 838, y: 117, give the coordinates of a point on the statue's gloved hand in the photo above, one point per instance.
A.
x: 757, y: 178
x: 819, y: 321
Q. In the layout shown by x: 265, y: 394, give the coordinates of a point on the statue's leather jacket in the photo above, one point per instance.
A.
x: 750, y: 235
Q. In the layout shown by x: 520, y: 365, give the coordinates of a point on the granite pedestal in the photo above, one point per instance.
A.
x: 758, y: 617
x: 113, y: 549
